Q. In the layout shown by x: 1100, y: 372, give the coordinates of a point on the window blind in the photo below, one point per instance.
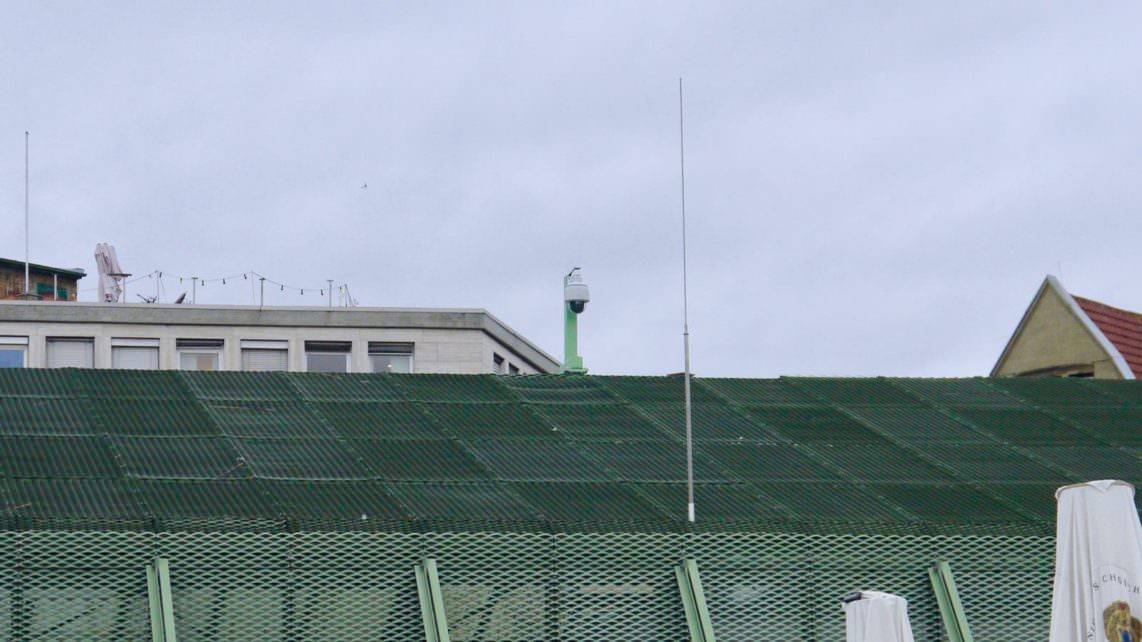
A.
x: 134, y: 358
x: 264, y: 360
x: 70, y: 353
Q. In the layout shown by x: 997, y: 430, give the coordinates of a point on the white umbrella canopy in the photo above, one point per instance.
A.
x: 872, y: 616
x: 1098, y: 564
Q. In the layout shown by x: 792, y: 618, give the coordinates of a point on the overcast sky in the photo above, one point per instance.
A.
x: 872, y: 188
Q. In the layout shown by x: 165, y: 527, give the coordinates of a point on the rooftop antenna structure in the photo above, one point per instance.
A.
x: 686, y: 321
x: 27, y: 233
x: 111, y: 277
x: 575, y: 298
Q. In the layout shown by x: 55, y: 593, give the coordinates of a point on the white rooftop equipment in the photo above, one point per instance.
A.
x: 111, y: 275
x: 1098, y: 564
x: 872, y: 616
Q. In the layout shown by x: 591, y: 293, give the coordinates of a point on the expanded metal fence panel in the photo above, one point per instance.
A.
x: 461, y: 501
x: 153, y: 385
x: 883, y: 462
x: 76, y: 586
x: 46, y: 416
x: 385, y: 420
x: 1116, y: 425
x: 451, y: 446
x: 316, y: 459
x: 242, y: 418
x: 418, y: 459
x: 758, y: 391
x: 639, y: 390
x: 773, y: 462
x: 1050, y: 391
x: 960, y: 392
x: 1024, y: 427
x: 515, y: 459
x: 852, y: 391
x: 1127, y: 391
x: 47, y: 457
x: 738, y: 502
x: 502, y: 586
x: 178, y: 457
x: 619, y: 586
x: 647, y: 461
x: 557, y: 389
x: 320, y: 386
x: 918, y: 425
x: 476, y: 420
x: 829, y: 500
x: 599, y: 421
x: 813, y: 423
x: 295, y: 506
x: 152, y: 417
x: 453, y: 388
x: 709, y: 422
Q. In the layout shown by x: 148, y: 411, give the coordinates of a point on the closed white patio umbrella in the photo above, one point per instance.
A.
x: 1098, y: 564
x: 872, y: 616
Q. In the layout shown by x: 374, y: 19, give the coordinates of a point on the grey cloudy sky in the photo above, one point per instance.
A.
x: 873, y: 188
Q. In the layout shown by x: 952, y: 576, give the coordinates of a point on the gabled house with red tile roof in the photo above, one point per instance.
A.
x: 1061, y: 335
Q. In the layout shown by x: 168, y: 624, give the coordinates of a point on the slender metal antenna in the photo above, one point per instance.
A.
x: 27, y: 232
x: 686, y: 320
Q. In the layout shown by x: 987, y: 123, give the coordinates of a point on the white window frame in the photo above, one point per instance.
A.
x: 87, y: 362
x: 392, y: 349
x: 8, y: 343
x: 186, y: 346
x: 251, y: 346
x: 136, y: 346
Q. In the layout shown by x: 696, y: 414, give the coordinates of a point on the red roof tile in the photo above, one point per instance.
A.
x: 1121, y: 327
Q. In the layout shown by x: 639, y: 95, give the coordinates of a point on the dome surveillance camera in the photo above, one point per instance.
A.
x: 575, y: 292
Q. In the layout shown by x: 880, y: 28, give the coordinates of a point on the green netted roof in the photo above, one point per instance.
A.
x: 230, y: 450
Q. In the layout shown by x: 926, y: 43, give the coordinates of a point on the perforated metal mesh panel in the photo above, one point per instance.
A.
x: 294, y: 506
x: 502, y: 586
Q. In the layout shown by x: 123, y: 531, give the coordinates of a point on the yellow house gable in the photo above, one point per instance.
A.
x: 1056, y: 338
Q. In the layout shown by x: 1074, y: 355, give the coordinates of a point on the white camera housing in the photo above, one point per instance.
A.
x: 576, y: 293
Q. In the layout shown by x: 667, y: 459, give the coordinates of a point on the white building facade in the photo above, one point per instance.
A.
x: 197, y: 337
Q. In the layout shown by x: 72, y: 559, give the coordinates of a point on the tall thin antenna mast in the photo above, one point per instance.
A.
x: 27, y: 233
x: 686, y: 320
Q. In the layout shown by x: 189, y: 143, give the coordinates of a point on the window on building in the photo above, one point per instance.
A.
x: 513, y: 369
x: 497, y: 364
x: 199, y: 354
x: 49, y: 292
x: 390, y: 356
x: 13, y: 352
x: 70, y: 352
x: 265, y: 356
x: 135, y: 354
x: 327, y: 356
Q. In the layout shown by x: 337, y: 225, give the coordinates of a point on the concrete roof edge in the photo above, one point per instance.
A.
x: 76, y: 273
x: 215, y: 315
x: 471, y: 319
x: 536, y: 356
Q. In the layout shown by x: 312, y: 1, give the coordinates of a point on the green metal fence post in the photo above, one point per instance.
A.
x: 161, y: 605
x: 948, y: 599
x: 431, y: 601
x: 694, y: 601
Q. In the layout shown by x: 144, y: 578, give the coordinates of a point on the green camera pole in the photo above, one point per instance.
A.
x: 572, y: 362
